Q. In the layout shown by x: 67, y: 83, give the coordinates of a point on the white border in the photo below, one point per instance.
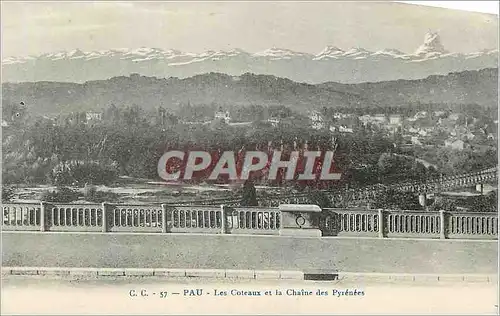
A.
x: 491, y: 7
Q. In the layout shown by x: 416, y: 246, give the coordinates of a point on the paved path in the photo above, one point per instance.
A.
x: 231, y: 274
x: 189, y: 251
x: 48, y: 296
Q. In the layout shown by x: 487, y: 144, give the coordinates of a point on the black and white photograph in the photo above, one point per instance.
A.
x: 249, y: 157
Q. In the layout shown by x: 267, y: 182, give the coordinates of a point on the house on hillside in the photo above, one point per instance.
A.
x: 222, y: 115
x: 93, y: 116
x: 455, y: 117
x: 469, y: 135
x: 365, y: 119
x: 423, y: 132
x: 274, y: 122
x: 439, y: 114
x: 457, y: 144
x: 415, y: 140
x: 379, y: 118
x: 339, y: 115
x: 317, y: 121
x: 420, y: 115
x: 395, y: 119
x: 315, y: 116
x: 345, y: 129
x: 240, y: 124
x: 413, y: 130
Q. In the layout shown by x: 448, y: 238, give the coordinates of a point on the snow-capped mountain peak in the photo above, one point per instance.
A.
x: 76, y: 53
x: 229, y: 53
x: 356, y: 50
x: 432, y: 45
x: 390, y: 51
x: 279, y: 53
x: 329, y: 52
x: 357, y: 53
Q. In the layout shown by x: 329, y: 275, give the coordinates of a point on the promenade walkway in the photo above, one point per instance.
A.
x: 201, y: 251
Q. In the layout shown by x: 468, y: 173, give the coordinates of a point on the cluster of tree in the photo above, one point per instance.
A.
x: 128, y: 141
x: 60, y: 195
x: 76, y: 172
x: 63, y: 194
x: 7, y: 193
x: 44, y: 151
x: 451, y: 161
x: 483, y: 203
x: 392, y: 167
x: 397, y: 200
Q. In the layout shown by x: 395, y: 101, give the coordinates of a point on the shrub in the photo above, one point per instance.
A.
x: 396, y: 200
x: 321, y: 199
x: 82, y: 172
x: 102, y: 196
x: 91, y: 194
x: 444, y: 204
x: 7, y: 193
x: 483, y: 203
x: 62, y: 195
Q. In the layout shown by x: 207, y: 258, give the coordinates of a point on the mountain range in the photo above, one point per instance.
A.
x: 353, y: 65
x: 53, y: 98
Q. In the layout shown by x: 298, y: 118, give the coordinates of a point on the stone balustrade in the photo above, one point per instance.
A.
x: 284, y: 220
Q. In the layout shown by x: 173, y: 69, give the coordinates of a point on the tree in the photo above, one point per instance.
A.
x: 444, y: 204
x: 7, y: 193
x: 249, y: 194
x: 321, y: 199
x: 483, y: 203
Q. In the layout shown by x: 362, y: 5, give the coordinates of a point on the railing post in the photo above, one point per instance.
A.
x: 422, y: 199
x: 299, y: 220
x: 164, y: 218
x: 442, y: 225
x: 105, y: 207
x: 43, y: 209
x: 381, y: 223
x: 223, y: 219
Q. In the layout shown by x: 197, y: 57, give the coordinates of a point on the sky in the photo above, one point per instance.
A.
x: 33, y: 28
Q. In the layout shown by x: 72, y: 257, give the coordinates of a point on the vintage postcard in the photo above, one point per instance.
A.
x: 200, y: 158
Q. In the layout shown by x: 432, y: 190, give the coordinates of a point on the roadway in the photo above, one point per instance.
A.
x: 37, y: 295
x: 202, y: 251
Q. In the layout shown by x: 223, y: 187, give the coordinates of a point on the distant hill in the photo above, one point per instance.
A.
x: 51, y: 98
x: 466, y: 87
